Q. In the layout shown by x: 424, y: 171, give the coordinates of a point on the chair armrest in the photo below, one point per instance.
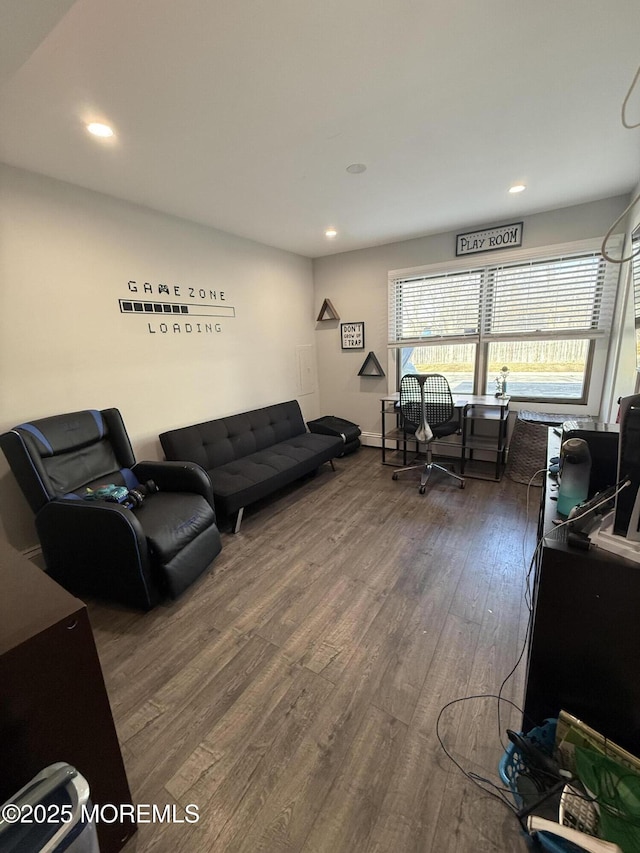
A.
x: 176, y: 477
x: 97, y: 548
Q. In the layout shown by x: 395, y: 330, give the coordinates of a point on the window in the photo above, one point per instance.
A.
x: 543, y: 370
x: 455, y: 361
x: 635, y: 269
x: 539, y: 316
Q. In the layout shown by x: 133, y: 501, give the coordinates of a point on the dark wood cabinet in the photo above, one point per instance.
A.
x: 584, y: 654
x: 53, y: 700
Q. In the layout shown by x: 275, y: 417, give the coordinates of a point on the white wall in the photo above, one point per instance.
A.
x: 357, y: 282
x: 66, y: 256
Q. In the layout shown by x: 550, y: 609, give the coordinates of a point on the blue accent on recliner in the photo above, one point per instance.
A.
x: 35, y: 432
x: 130, y: 479
x: 99, y: 422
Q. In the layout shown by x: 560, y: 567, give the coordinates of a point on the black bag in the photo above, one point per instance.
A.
x: 330, y: 425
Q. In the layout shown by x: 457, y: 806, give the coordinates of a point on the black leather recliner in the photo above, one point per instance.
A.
x: 135, y: 555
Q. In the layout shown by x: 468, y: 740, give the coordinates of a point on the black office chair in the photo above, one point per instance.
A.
x: 133, y: 552
x: 427, y: 413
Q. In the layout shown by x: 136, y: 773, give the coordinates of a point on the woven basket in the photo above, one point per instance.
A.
x: 527, y: 451
x: 528, y: 445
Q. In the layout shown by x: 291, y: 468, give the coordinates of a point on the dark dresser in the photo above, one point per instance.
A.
x: 584, y: 648
x: 53, y: 701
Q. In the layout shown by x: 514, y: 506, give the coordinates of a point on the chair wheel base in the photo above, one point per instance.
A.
x: 394, y: 476
x: 462, y: 485
x: 422, y: 489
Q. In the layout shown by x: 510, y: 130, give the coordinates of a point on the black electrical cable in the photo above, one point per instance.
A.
x: 500, y: 793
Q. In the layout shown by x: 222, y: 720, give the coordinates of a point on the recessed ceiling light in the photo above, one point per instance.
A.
x: 356, y: 168
x: 517, y: 188
x: 331, y: 233
x: 99, y: 129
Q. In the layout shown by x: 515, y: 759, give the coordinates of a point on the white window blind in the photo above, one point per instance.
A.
x: 443, y: 306
x: 635, y: 269
x: 571, y: 296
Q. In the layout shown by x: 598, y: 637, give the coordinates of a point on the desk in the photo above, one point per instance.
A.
x: 583, y: 652
x: 472, y: 409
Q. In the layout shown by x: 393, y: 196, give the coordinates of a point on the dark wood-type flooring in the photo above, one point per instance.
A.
x: 292, y: 693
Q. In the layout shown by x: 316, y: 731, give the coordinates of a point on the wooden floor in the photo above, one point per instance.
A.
x: 292, y: 693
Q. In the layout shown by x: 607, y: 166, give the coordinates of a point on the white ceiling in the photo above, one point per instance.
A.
x: 244, y: 114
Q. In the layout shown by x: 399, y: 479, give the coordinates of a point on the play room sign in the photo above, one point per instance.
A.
x: 502, y: 237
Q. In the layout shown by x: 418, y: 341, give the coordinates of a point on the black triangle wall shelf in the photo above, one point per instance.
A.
x: 371, y: 366
x: 328, y: 312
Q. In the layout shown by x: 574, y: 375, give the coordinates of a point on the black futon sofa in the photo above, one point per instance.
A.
x: 250, y: 455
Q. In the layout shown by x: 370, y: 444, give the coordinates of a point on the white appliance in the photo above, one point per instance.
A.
x: 49, y: 815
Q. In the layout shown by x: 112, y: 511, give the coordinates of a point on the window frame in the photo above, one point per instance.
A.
x: 481, y: 378
x: 567, y: 401
x: 492, y: 260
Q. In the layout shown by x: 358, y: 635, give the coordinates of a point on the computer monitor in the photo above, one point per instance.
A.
x: 628, y: 465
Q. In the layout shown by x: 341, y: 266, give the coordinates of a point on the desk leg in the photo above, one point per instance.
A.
x: 463, y: 440
x: 502, y: 439
x: 465, y: 435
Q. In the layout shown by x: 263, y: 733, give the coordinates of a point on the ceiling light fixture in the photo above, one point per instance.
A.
x: 517, y: 188
x: 97, y: 128
x: 356, y: 168
x: 331, y: 233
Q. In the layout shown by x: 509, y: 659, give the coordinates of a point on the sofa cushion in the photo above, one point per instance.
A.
x: 73, y: 450
x: 242, y: 481
x: 62, y: 433
x: 250, y: 455
x: 214, y: 443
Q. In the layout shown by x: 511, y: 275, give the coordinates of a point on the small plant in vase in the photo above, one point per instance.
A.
x: 501, y: 381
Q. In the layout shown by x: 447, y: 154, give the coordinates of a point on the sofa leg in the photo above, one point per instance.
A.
x: 238, y: 520
x: 333, y: 467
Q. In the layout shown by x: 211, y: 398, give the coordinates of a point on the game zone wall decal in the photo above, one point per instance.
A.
x: 195, y: 311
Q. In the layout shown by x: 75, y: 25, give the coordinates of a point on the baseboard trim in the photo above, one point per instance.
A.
x: 374, y: 439
x: 371, y: 439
